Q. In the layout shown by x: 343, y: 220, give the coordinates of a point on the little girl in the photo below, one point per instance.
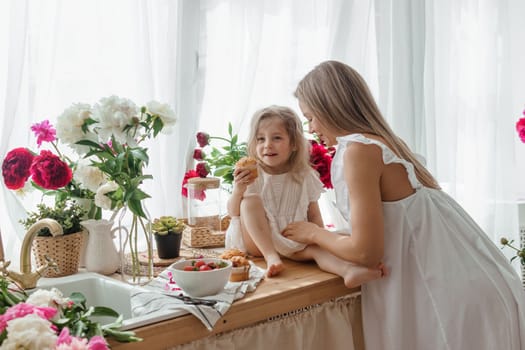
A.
x: 286, y: 190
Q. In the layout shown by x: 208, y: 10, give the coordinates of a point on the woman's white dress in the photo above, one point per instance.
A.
x: 285, y: 201
x: 449, y: 286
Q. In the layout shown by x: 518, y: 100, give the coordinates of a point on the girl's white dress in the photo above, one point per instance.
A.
x: 449, y: 286
x: 285, y: 201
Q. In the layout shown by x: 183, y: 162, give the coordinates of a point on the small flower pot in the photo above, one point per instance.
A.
x: 168, y: 246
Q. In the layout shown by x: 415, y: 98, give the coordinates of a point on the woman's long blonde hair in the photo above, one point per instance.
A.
x: 341, y: 99
x: 299, y: 160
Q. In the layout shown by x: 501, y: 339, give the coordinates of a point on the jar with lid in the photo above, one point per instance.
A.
x: 204, y: 202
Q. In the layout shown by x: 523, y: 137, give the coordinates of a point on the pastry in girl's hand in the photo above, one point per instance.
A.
x: 248, y: 163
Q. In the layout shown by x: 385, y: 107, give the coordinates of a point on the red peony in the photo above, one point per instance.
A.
x: 202, y: 169
x: 15, y: 168
x: 201, y: 195
x: 203, y: 139
x: 49, y: 171
x: 198, y: 154
x: 321, y: 161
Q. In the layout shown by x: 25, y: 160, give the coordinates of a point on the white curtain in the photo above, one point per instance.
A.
x: 450, y: 83
x: 447, y: 76
x: 56, y: 53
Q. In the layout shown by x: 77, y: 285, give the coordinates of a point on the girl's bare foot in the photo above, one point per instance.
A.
x: 357, y: 275
x: 274, y: 266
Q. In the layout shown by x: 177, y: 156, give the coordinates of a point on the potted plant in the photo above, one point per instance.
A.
x: 167, y: 231
x: 64, y: 250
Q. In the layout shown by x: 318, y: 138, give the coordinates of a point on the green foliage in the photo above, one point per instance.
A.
x: 165, y: 225
x: 221, y: 160
x: 67, y: 213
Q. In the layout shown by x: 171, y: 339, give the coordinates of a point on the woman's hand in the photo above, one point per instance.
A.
x: 302, y: 232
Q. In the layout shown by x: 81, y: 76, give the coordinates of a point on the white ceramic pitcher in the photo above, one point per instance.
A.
x: 101, y: 256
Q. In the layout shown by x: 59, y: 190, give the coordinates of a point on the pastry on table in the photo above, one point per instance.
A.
x: 241, y: 265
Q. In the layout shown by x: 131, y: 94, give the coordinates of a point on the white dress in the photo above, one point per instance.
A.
x: 285, y: 201
x: 449, y: 286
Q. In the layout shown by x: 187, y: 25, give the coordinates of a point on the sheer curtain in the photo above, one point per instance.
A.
x: 446, y: 75
x: 61, y: 52
x: 450, y: 76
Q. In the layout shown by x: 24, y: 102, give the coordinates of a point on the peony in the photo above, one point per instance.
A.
x: 198, y: 194
x: 66, y: 341
x: 49, y: 171
x: 321, y: 161
x: 22, y: 309
x: 520, y: 128
x: 44, y: 131
x: 88, y: 176
x: 69, y: 127
x: 29, y: 332
x: 114, y: 116
x: 165, y: 113
x: 198, y: 154
x: 15, y: 168
x: 48, y: 298
x: 203, y: 139
x: 202, y: 169
x: 101, y: 198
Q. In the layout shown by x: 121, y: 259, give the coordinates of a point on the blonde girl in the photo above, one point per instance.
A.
x: 286, y: 190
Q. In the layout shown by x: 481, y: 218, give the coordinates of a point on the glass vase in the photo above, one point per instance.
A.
x: 136, y: 250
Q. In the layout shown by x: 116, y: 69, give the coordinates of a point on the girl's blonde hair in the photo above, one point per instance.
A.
x: 341, y: 99
x: 299, y: 160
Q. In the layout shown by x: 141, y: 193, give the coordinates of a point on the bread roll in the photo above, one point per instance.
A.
x: 248, y: 163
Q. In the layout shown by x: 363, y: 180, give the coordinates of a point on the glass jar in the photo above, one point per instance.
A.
x: 204, y: 202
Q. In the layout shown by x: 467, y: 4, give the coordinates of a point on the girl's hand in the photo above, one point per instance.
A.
x: 302, y: 232
x: 241, y: 179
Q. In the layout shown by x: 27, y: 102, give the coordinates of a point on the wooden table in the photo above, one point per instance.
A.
x: 298, y: 286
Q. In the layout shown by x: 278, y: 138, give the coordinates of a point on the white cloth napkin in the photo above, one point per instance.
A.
x: 154, y: 297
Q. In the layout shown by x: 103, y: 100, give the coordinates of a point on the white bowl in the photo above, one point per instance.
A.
x: 201, y: 283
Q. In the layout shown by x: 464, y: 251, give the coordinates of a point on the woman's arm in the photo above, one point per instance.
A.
x: 363, y: 166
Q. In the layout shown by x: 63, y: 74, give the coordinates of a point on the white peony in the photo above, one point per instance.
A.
x: 50, y: 298
x: 113, y: 115
x: 29, y: 332
x: 164, y: 111
x: 69, y: 127
x: 88, y: 176
x: 101, y: 200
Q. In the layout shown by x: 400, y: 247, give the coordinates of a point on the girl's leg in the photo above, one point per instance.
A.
x: 257, y: 236
x: 352, y: 274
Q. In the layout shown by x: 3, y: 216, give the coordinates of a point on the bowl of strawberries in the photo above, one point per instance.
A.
x: 202, y: 277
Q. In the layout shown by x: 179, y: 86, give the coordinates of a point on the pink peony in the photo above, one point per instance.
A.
x: 49, y: 171
x: 15, y: 168
x: 520, y: 128
x: 22, y: 309
x: 43, y: 132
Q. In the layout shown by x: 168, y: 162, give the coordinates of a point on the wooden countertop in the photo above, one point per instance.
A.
x: 299, y: 285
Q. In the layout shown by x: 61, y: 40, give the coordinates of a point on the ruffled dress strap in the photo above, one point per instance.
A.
x: 389, y: 157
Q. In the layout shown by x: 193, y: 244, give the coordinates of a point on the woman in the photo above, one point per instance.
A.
x: 449, y: 286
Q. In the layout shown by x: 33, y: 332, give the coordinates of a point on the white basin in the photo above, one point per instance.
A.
x: 101, y: 290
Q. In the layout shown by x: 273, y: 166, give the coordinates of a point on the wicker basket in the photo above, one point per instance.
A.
x: 63, y: 250
x: 207, y: 232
